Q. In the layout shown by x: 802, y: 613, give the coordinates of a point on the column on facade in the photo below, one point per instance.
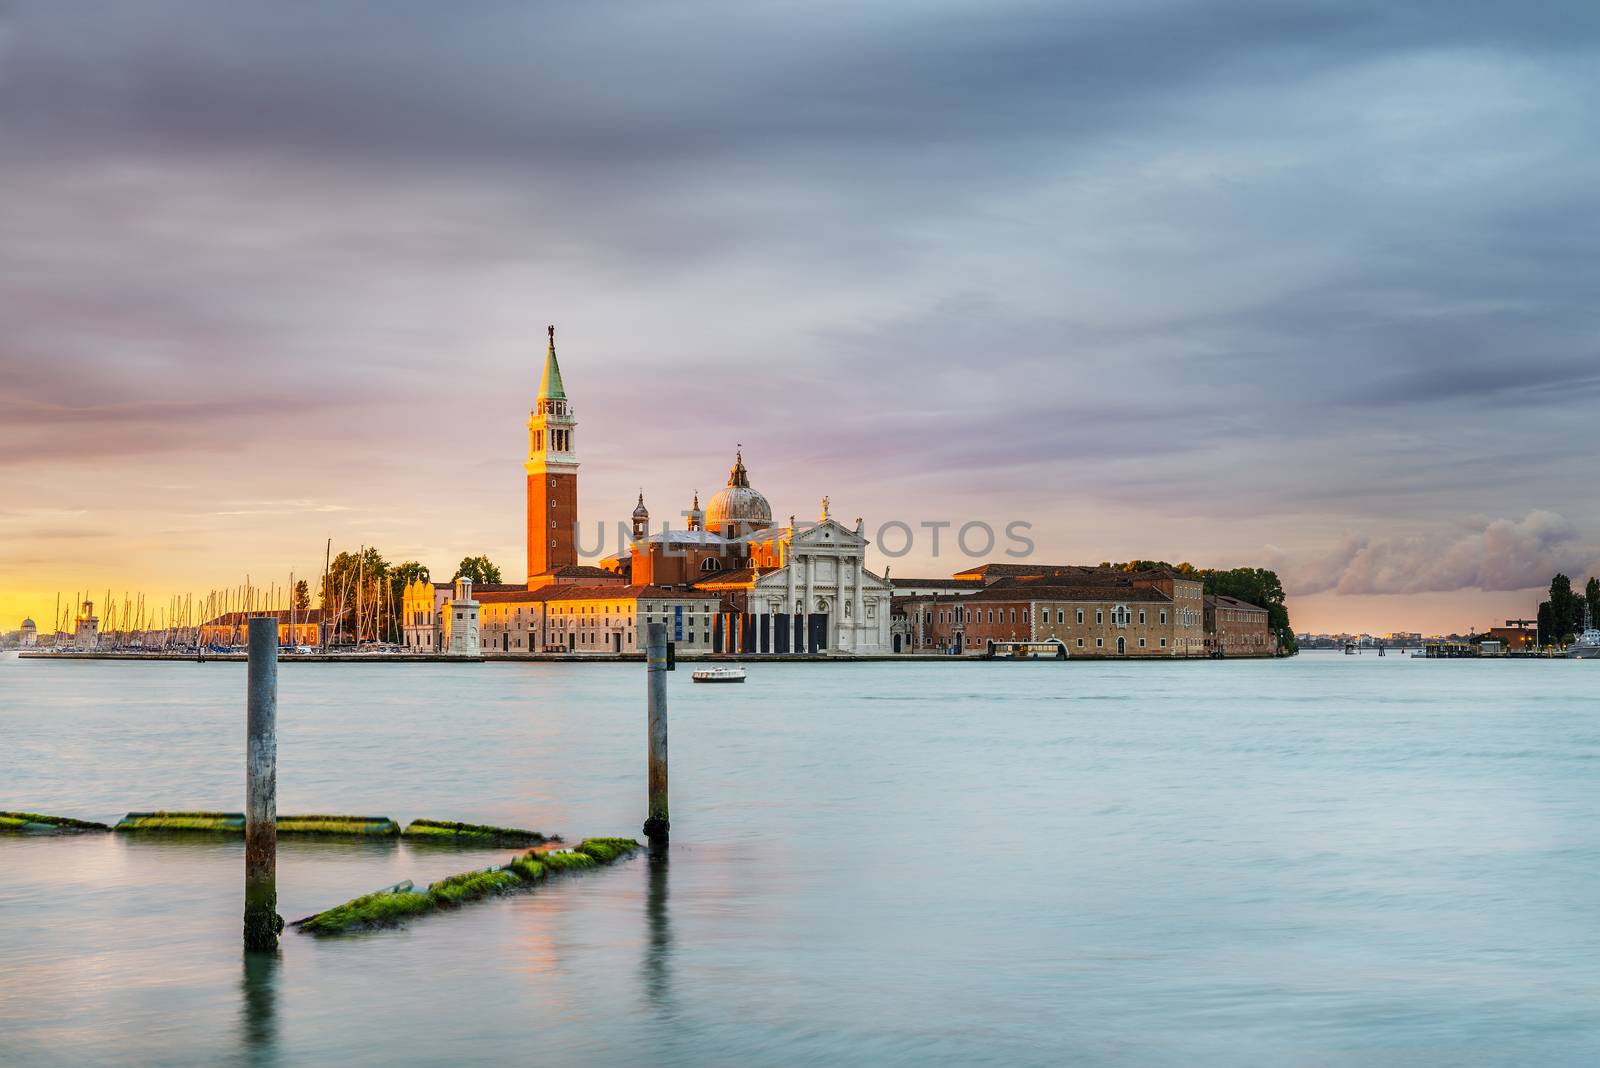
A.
x: 861, y: 612
x: 805, y: 615
x: 839, y: 609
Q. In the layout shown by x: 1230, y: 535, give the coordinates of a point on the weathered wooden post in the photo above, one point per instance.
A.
x: 655, y: 827
x: 261, y: 920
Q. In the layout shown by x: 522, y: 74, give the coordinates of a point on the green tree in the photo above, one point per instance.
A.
x: 479, y: 569
x: 1566, y: 609
x: 1261, y: 587
x: 1591, y: 594
x: 302, y: 595
x: 356, y: 582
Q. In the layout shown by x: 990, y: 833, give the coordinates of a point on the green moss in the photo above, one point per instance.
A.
x: 379, y: 826
x: 216, y: 822
x: 528, y: 868
x: 382, y: 909
x: 471, y: 885
x: 559, y: 863
x: 35, y: 823
x: 233, y: 823
x: 443, y: 830
x: 388, y: 907
x: 606, y: 850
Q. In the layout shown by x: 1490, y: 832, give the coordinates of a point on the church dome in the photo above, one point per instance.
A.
x: 26, y: 623
x: 639, y: 511
x: 738, y: 509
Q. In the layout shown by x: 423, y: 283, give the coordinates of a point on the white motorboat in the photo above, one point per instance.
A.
x: 719, y: 674
x: 1587, y: 645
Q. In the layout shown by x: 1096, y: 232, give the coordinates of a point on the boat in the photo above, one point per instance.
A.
x: 1587, y: 645
x: 719, y: 674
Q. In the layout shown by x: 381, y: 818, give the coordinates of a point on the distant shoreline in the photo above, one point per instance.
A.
x: 607, y: 658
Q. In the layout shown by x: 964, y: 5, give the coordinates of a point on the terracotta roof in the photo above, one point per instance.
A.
x: 1217, y: 600
x: 985, y: 570
x: 581, y: 571
x: 591, y: 593
x: 1098, y: 594
x: 936, y: 583
x: 734, y: 576
x: 515, y: 595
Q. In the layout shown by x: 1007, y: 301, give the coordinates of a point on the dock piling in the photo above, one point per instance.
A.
x: 656, y: 826
x: 261, y: 920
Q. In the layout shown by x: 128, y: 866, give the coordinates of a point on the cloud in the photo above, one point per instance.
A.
x: 1144, y: 262
x: 1503, y: 555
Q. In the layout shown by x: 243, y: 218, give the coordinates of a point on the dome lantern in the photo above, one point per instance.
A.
x: 738, y: 509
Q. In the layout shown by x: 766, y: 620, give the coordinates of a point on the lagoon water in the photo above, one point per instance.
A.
x: 1330, y: 860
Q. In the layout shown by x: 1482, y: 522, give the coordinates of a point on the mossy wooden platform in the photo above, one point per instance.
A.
x: 232, y: 823
x: 391, y: 906
x: 444, y: 831
x: 37, y: 823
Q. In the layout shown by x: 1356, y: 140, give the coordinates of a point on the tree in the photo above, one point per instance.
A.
x: 1261, y: 587
x: 1591, y: 594
x: 302, y: 596
x: 1566, y: 609
x: 479, y: 569
x: 356, y: 580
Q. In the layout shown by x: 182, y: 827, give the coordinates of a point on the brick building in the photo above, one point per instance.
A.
x: 1093, y: 611
x: 1237, y: 628
x: 302, y: 626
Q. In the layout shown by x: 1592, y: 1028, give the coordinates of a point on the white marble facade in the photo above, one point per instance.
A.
x: 824, y: 575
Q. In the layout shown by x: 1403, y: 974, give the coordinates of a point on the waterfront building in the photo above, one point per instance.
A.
x: 458, y: 633
x: 1155, y: 613
x: 1093, y: 611
x: 86, y: 629
x: 1237, y: 628
x: 29, y: 635
x: 558, y: 617
x: 301, y: 626
x: 1511, y: 637
x: 596, y: 619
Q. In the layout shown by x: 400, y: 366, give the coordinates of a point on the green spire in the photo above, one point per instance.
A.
x: 550, y: 387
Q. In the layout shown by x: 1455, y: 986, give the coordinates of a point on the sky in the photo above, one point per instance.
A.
x: 1307, y: 286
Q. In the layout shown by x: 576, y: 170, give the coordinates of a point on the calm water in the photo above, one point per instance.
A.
x: 1332, y: 860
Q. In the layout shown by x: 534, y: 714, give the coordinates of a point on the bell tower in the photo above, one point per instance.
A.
x: 552, y: 474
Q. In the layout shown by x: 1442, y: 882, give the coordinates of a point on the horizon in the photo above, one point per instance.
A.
x: 1182, y: 282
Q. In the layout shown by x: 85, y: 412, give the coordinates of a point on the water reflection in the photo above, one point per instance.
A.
x: 258, y: 1008
x: 655, y: 971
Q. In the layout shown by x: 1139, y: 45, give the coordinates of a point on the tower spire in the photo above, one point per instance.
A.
x: 550, y: 387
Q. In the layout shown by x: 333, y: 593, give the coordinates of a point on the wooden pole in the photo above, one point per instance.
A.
x: 656, y: 825
x: 261, y: 920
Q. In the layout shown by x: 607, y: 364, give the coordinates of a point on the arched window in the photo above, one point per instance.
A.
x: 711, y: 563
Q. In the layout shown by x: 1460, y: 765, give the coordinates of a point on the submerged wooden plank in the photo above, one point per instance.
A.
x: 38, y: 823
x: 473, y: 833
x: 391, y: 906
x: 232, y: 823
